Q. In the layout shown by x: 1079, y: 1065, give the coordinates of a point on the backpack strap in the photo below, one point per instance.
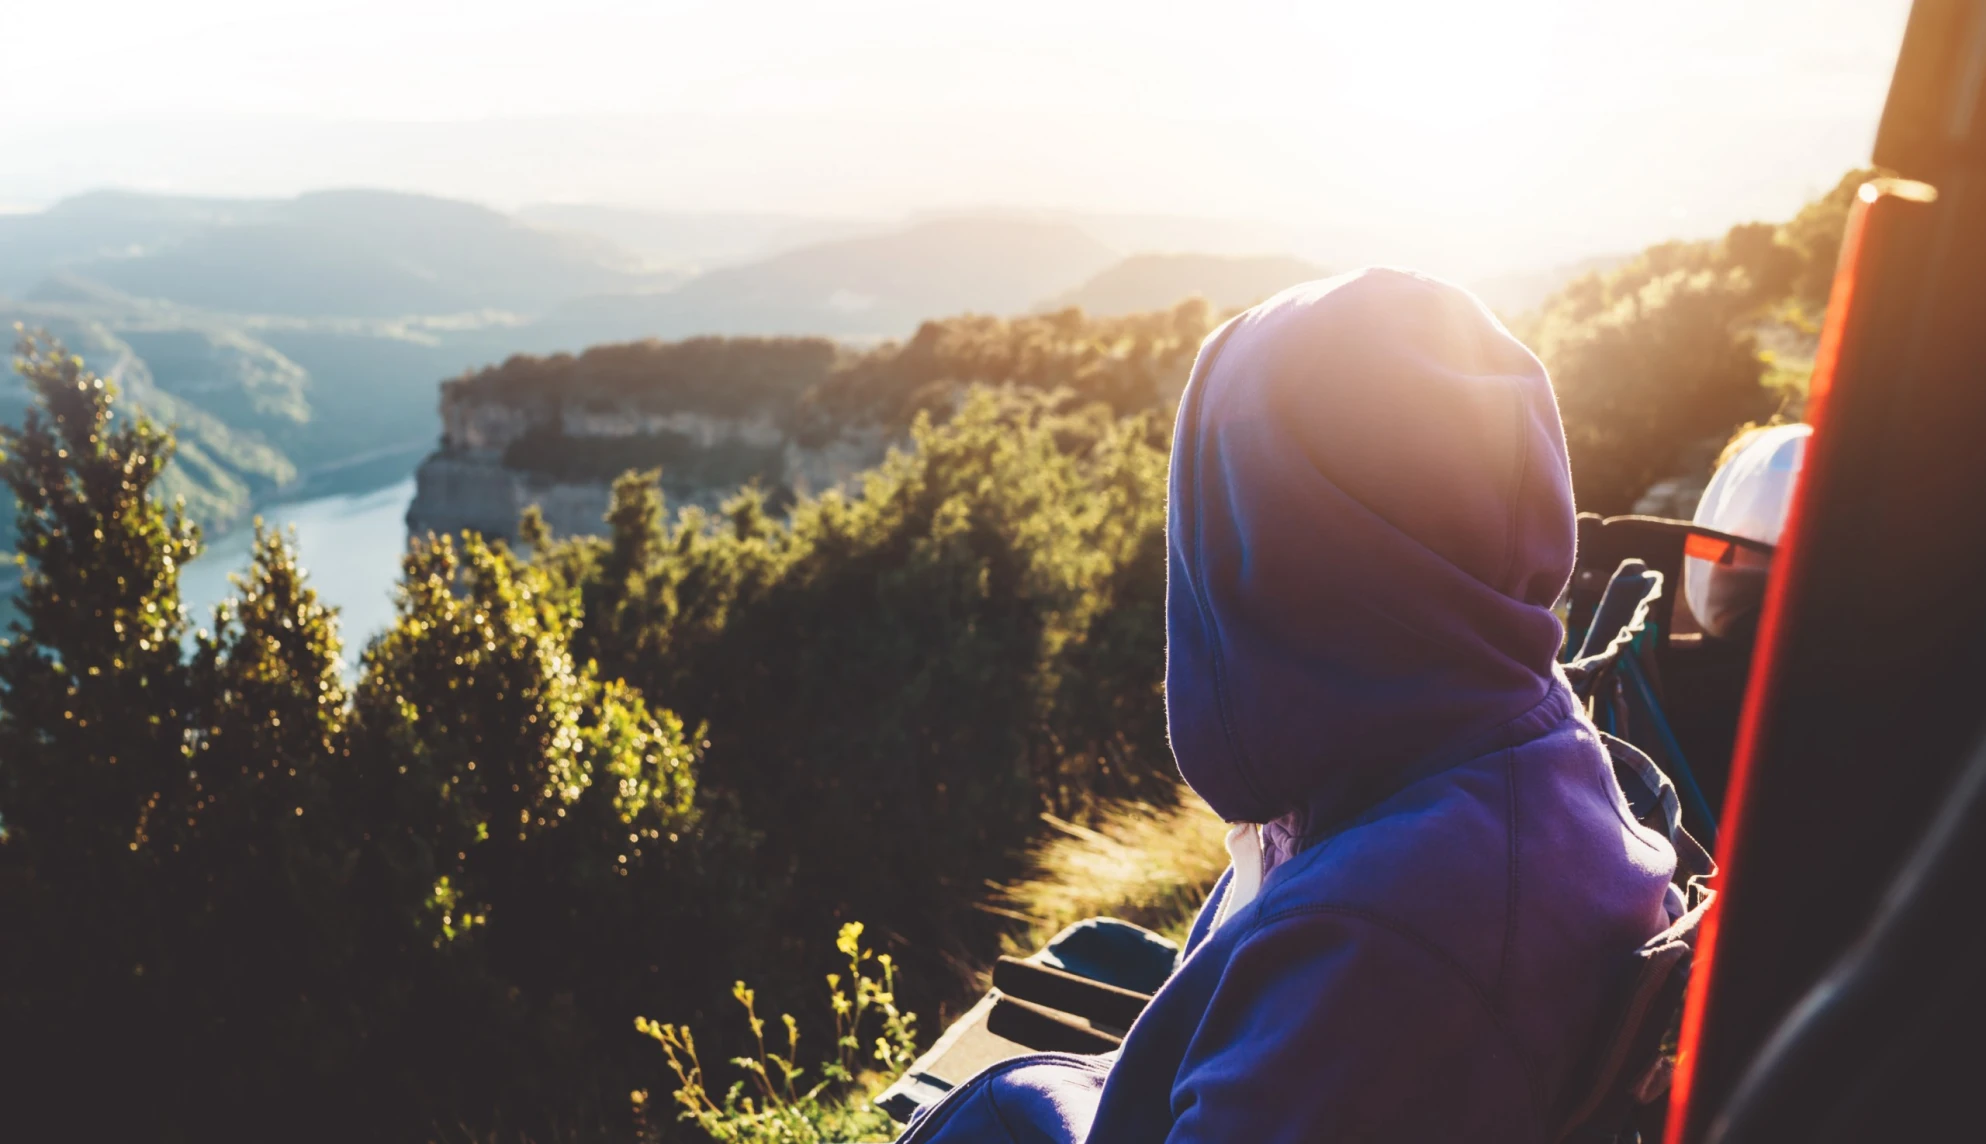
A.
x: 1655, y: 804
x: 1635, y: 1057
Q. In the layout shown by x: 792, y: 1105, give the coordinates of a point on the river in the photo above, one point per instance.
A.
x: 350, y: 545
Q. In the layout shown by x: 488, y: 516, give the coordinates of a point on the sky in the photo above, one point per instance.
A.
x: 1473, y: 134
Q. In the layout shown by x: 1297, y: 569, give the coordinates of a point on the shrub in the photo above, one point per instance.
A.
x: 779, y: 1105
x: 234, y: 890
x: 1650, y: 373
x: 970, y: 639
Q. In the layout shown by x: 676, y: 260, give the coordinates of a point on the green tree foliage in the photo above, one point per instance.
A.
x: 775, y: 1101
x: 166, y: 858
x: 234, y: 892
x: 102, y: 626
x: 726, y: 376
x: 544, y: 826
x: 93, y: 770
x: 972, y: 638
x: 1663, y: 353
x: 1648, y: 373
x: 260, y: 927
x: 1815, y: 235
x: 1130, y: 363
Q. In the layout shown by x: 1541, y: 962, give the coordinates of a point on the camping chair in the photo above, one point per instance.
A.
x: 1699, y: 679
x: 1659, y: 543
x: 1615, y: 671
x: 1077, y: 994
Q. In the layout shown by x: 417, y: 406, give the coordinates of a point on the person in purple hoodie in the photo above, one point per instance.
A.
x: 1437, y: 884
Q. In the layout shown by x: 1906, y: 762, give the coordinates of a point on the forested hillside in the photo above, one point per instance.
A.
x: 1684, y: 341
x: 1153, y: 281
x: 792, y: 414
x: 610, y: 776
x: 1655, y: 359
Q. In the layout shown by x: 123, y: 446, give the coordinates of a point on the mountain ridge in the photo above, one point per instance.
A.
x: 1142, y: 282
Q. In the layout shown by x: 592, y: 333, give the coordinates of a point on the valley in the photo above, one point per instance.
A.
x: 296, y: 345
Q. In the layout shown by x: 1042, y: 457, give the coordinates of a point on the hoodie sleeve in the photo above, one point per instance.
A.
x: 1336, y: 1026
x: 1203, y: 922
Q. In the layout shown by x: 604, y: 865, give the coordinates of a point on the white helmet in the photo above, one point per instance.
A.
x: 1749, y: 497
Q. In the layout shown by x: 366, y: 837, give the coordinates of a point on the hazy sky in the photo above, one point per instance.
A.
x: 1472, y: 133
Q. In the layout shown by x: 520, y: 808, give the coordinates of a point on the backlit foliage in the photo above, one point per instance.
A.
x: 972, y: 637
x: 1664, y: 352
x: 776, y: 1100
x: 234, y: 891
x: 426, y: 903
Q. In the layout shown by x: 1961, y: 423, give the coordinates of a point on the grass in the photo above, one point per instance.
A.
x: 1152, y: 865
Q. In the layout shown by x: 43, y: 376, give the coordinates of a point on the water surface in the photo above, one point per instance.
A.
x: 349, y: 544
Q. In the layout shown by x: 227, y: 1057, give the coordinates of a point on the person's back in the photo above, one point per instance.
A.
x: 1371, y: 516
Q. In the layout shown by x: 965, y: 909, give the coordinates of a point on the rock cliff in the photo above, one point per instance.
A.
x: 795, y: 414
x: 556, y: 432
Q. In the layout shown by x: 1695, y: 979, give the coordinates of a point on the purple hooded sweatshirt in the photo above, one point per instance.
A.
x: 1371, y: 515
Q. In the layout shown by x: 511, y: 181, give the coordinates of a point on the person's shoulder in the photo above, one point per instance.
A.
x: 1445, y: 858
x: 1435, y: 831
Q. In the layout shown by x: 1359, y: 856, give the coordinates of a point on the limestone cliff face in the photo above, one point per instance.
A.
x: 501, y: 452
x: 454, y: 492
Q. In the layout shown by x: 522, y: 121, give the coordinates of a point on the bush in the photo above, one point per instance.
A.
x: 780, y: 1105
x: 234, y: 890
x: 1660, y: 357
x: 972, y: 638
x: 1651, y: 373
x: 450, y: 885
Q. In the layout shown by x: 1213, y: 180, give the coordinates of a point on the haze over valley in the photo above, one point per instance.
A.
x: 296, y: 344
x: 284, y: 265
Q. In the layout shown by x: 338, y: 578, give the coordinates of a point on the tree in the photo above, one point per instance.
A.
x: 94, y: 711
x: 89, y: 788
x: 1661, y: 355
x: 267, y: 962
x: 235, y: 893
x: 1816, y: 232
x: 900, y: 680
x: 548, y: 824
x: 1654, y: 372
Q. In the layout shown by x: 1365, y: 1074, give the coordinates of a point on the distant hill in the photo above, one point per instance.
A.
x: 331, y: 253
x: 1153, y: 281
x: 882, y: 285
x: 694, y: 240
x: 103, y: 226
x: 297, y: 342
x: 1517, y: 294
x: 264, y: 409
x: 221, y: 467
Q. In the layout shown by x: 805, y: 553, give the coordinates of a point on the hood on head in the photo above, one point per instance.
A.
x: 1370, y: 517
